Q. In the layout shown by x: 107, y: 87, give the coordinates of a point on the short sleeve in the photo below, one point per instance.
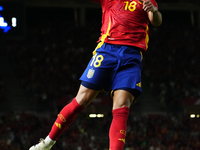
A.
x: 154, y: 3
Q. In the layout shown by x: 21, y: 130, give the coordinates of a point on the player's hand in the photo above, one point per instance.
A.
x: 148, y: 6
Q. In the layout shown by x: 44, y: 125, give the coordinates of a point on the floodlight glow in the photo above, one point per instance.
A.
x: 92, y: 115
x: 198, y: 116
x: 100, y: 115
x: 192, y: 115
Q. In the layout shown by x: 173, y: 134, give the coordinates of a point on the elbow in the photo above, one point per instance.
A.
x: 156, y: 19
x: 157, y: 23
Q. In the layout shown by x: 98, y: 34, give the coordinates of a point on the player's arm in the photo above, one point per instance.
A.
x: 154, y: 15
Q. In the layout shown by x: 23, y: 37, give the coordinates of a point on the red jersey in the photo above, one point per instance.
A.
x: 124, y: 22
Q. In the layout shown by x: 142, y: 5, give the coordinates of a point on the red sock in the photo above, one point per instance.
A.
x: 65, y: 118
x: 117, y: 133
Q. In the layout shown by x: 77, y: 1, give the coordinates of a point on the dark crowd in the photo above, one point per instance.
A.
x: 144, y: 132
x: 178, y: 1
x: 2, y: 91
x: 171, y: 65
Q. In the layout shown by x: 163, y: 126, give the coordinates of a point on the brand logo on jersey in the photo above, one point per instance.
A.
x: 123, y: 132
x: 139, y: 84
x: 62, y: 118
x: 90, y: 73
x: 111, y: 38
x: 123, y: 140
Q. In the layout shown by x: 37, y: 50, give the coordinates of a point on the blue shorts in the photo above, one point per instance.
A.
x: 114, y: 67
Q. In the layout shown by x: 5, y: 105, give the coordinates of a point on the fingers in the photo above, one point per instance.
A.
x: 148, y: 6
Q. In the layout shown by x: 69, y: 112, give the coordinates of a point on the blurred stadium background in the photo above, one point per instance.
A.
x: 48, y: 45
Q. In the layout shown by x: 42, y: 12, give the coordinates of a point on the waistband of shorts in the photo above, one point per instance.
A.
x: 136, y: 48
x: 133, y: 47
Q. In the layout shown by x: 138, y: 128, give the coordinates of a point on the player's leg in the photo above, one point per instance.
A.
x: 66, y: 117
x: 70, y: 111
x: 97, y: 76
x: 121, y: 103
x: 126, y: 86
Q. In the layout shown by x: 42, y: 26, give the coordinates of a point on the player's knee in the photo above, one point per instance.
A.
x: 85, y: 96
x: 122, y: 98
x: 122, y: 103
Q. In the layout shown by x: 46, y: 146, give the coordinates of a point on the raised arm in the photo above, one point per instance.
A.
x: 154, y: 15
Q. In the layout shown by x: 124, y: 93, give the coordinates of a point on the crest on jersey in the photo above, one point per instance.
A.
x: 90, y: 73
